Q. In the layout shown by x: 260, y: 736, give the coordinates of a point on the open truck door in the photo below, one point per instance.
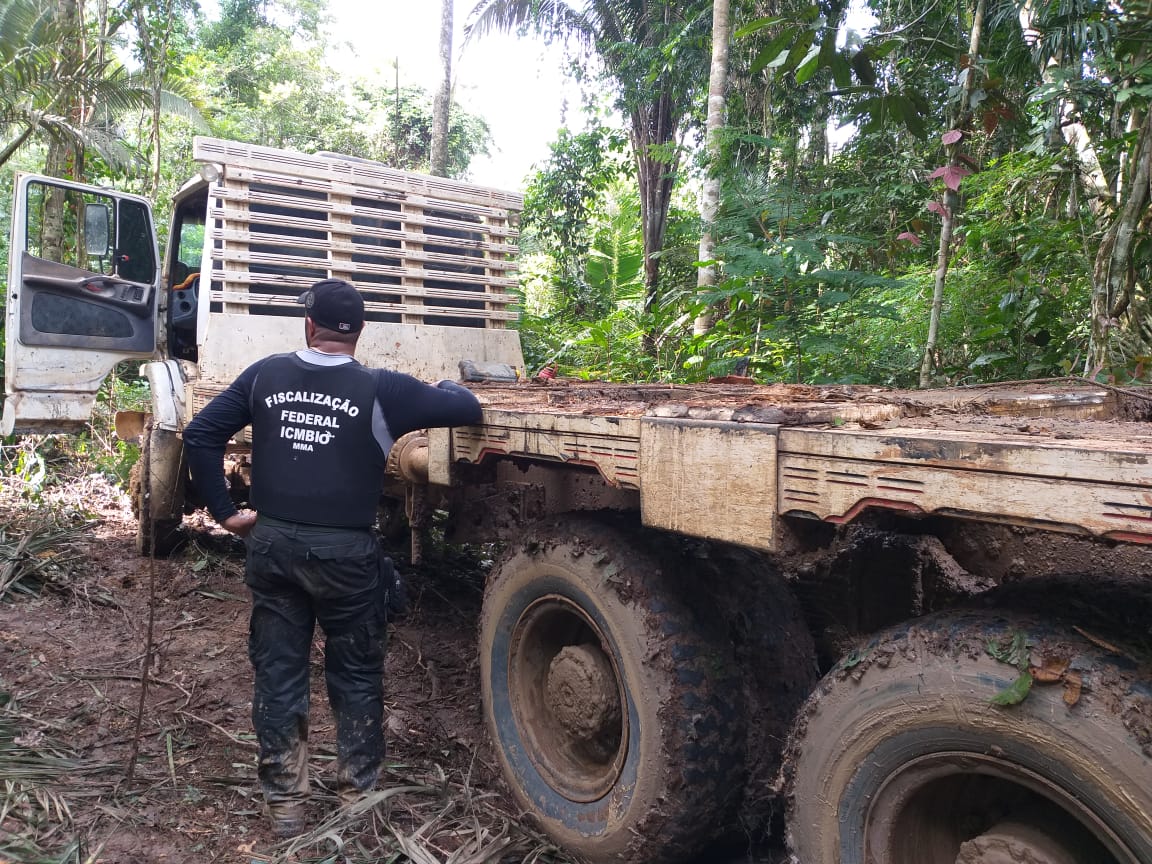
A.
x: 82, y: 296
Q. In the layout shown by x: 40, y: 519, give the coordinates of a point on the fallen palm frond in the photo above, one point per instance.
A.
x: 37, y: 555
x: 35, y: 816
x: 40, y: 533
x: 431, y: 821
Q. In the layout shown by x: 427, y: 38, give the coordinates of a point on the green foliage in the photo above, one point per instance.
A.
x: 1013, y: 652
x: 655, y: 58
x: 558, y: 219
x: 64, y: 86
x: 396, y: 128
x: 1014, y: 693
x: 787, y: 306
x: 626, y: 341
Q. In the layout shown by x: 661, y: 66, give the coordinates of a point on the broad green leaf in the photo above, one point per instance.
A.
x: 904, y: 108
x: 841, y: 71
x: 757, y: 25
x: 1016, y: 692
x: 808, y: 65
x: 778, y: 46
x: 861, y: 64
x: 799, y: 51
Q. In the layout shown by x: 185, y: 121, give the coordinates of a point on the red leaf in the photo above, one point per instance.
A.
x: 952, y: 136
x: 909, y: 236
x: 953, y: 174
x: 937, y: 207
x: 990, y: 120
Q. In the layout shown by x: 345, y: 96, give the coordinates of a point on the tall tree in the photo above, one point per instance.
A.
x: 710, y: 195
x: 1113, y: 276
x: 156, y: 24
x: 651, y: 51
x: 443, y: 101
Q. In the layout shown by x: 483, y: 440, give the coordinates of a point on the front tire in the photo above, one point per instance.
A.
x: 156, y: 488
x: 901, y: 757
x: 613, y: 706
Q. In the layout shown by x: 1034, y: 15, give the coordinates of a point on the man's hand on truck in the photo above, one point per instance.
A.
x: 240, y: 522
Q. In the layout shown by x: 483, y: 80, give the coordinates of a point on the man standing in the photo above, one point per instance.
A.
x: 322, y: 426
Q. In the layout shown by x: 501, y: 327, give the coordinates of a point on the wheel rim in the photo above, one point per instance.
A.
x: 567, y: 699
x: 965, y: 808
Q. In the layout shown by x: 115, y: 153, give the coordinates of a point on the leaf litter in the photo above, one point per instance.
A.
x: 73, y: 606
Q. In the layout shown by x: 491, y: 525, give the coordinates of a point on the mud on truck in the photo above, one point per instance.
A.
x: 910, y: 628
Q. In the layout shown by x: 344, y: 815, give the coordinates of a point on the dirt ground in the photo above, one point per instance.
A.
x: 70, y: 669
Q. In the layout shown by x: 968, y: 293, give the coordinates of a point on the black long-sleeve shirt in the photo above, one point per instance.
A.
x: 402, y: 405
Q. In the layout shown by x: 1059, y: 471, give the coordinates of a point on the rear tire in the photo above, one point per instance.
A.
x: 901, y: 757
x: 613, y: 705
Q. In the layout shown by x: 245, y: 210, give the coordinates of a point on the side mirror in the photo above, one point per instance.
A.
x: 97, y: 230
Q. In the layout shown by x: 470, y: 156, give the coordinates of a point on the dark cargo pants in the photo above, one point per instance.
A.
x: 298, y: 575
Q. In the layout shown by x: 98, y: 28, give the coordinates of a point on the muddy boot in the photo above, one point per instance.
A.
x: 287, y: 819
x: 284, y: 778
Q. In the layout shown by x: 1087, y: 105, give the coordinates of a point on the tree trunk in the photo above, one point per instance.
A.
x: 52, y: 225
x: 1112, y: 276
x: 443, y: 101
x: 951, y: 197
x: 710, y: 195
x: 657, y: 160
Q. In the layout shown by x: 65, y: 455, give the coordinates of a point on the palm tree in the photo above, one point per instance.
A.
x: 646, y: 49
x: 56, y: 86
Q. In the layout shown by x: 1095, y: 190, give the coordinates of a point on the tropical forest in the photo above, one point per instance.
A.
x: 852, y: 202
x: 877, y: 193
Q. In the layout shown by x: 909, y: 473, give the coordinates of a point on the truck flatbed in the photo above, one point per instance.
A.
x: 724, y: 460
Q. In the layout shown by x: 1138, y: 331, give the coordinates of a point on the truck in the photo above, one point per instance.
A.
x: 899, y: 627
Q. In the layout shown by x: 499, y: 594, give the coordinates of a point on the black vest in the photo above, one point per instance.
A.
x: 314, y: 457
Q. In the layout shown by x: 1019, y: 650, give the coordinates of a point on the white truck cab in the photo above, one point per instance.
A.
x: 87, y: 289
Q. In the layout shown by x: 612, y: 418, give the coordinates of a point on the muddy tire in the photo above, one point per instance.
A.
x: 901, y: 757
x: 159, y: 514
x: 614, y: 710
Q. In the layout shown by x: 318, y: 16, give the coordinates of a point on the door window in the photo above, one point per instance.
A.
x: 87, y: 270
x: 61, y: 224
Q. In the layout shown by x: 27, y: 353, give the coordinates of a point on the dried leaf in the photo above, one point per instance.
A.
x: 1072, y: 686
x: 1050, y: 670
x: 1100, y: 643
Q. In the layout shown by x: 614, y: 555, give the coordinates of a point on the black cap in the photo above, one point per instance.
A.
x: 335, y: 305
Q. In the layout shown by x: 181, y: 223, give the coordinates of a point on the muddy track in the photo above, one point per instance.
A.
x: 70, y: 661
